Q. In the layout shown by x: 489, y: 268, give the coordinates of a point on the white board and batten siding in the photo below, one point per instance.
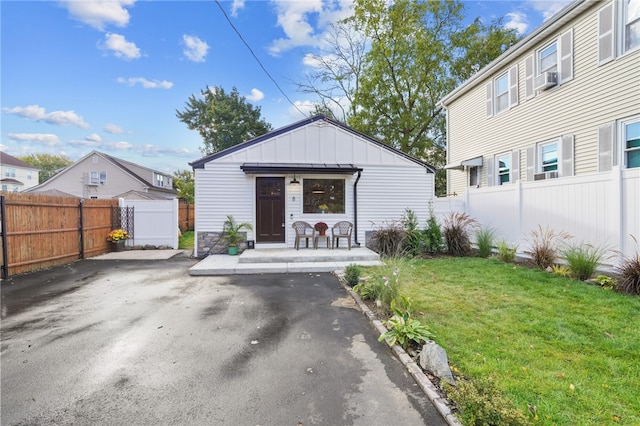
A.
x: 389, y: 183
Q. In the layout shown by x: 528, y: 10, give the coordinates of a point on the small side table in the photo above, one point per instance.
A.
x: 327, y: 238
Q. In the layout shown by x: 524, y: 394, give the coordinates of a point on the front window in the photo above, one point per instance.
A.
x: 548, y: 157
x: 502, y: 92
x: 159, y: 180
x: 504, y: 168
x: 323, y: 195
x: 548, y: 59
x: 632, y: 144
x: 10, y: 172
x: 474, y: 176
x: 631, y: 24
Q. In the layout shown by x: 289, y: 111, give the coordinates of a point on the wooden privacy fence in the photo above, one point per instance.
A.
x: 39, y: 231
x: 186, y: 216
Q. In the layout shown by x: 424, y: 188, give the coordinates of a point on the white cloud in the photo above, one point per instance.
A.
x: 46, y: 139
x: 256, y: 95
x: 94, y: 137
x: 147, y: 84
x: 114, y: 129
x: 517, y: 21
x: 548, y: 8
x: 120, y: 47
x: 236, y: 6
x: 195, y: 49
x: 37, y: 113
x: 98, y: 14
x: 301, y: 109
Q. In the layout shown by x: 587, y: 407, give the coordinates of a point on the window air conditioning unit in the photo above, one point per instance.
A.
x: 545, y: 80
x: 545, y: 175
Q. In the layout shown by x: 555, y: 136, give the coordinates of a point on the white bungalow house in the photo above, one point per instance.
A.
x: 313, y: 170
x: 16, y: 175
x: 548, y: 134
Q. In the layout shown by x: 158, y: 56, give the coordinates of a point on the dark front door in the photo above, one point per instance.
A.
x: 269, y: 210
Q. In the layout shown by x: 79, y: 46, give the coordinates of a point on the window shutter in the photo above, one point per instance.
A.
x: 566, y: 57
x: 605, y: 148
x: 490, y: 99
x: 605, y: 34
x: 529, y: 73
x: 531, y: 162
x: 567, y: 155
x: 513, y: 86
x: 515, y: 165
x: 490, y: 179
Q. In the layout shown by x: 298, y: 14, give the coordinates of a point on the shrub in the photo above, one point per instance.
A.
x: 388, y: 239
x: 562, y: 270
x: 506, y: 253
x: 403, y: 329
x: 582, y: 259
x: 629, y: 275
x: 432, y: 235
x: 481, y: 403
x: 544, y: 246
x: 484, y: 240
x: 606, y: 282
x: 352, y: 274
x: 412, y: 240
x: 383, y: 288
x: 456, y: 233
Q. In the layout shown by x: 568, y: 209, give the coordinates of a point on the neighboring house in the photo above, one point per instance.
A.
x: 98, y: 175
x: 314, y: 170
x: 16, y: 175
x: 549, y: 132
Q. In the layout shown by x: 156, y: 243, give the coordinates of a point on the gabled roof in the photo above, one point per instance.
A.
x: 9, y: 160
x: 554, y: 23
x: 199, y: 164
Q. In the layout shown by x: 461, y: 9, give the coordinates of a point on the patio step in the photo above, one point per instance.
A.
x: 305, y: 255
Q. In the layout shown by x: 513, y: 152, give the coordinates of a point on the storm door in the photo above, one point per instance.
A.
x: 270, y: 210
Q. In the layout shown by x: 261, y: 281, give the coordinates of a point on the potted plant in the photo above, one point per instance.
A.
x: 321, y: 227
x: 232, y: 235
x: 117, y: 237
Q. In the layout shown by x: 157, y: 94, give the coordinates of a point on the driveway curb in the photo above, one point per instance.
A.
x: 414, y: 369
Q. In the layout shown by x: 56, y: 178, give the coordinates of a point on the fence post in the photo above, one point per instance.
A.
x: 3, y: 233
x: 81, y: 208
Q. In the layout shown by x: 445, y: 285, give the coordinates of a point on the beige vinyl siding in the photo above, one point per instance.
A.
x: 595, y: 96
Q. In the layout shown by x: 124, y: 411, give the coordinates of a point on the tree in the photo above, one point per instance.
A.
x: 418, y: 52
x: 48, y: 164
x: 336, y: 70
x: 222, y: 119
x: 184, y: 183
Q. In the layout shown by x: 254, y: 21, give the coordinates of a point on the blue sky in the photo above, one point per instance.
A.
x: 109, y: 75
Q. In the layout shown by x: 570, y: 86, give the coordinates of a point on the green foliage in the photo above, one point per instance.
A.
x: 606, y: 282
x: 187, y: 240
x: 222, y: 119
x: 388, y: 239
x: 544, y: 246
x: 402, y: 329
x: 482, y: 404
x: 484, y: 240
x: 629, y: 275
x: 456, y: 233
x: 382, y: 287
x: 506, y: 253
x: 48, y: 164
x: 582, y: 259
x: 184, y: 183
x: 352, y: 274
x: 432, y: 235
x: 232, y: 230
x: 413, y: 238
x: 562, y: 270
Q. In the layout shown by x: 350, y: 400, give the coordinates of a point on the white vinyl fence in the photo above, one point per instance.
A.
x: 601, y: 209
x: 155, y: 222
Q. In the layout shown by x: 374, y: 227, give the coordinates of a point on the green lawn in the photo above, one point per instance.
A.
x: 570, y: 349
x: 186, y: 240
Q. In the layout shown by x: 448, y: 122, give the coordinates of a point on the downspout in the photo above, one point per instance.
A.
x: 355, y: 207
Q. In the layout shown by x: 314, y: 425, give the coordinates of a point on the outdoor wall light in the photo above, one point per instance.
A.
x: 294, y: 181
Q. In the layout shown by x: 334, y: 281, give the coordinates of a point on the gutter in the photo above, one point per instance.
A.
x: 355, y: 207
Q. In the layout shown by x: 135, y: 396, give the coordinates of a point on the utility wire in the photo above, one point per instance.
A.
x: 256, y: 57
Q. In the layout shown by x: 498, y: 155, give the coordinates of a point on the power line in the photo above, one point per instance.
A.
x: 256, y: 58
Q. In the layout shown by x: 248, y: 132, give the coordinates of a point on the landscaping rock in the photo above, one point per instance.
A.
x: 433, y: 358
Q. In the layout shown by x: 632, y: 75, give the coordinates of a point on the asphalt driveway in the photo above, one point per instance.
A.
x: 142, y: 342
